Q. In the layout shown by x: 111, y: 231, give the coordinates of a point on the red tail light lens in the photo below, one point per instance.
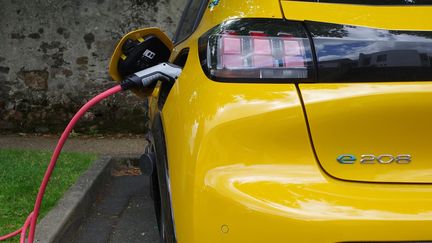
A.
x: 257, y: 50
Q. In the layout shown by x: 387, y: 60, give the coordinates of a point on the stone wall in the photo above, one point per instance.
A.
x: 54, y: 56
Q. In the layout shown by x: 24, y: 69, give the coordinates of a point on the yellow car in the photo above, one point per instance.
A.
x: 296, y: 121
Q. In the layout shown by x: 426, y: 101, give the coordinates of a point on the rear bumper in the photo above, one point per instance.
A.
x: 300, y: 204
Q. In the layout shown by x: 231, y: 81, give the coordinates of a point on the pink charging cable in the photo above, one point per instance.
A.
x: 32, y: 218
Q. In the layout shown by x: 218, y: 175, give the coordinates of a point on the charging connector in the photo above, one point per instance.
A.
x: 163, y: 71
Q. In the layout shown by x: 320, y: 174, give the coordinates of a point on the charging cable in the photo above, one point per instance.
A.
x: 163, y: 71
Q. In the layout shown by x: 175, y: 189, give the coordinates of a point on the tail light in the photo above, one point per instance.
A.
x: 260, y: 50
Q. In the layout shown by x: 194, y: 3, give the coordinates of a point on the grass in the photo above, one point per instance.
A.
x: 20, y: 175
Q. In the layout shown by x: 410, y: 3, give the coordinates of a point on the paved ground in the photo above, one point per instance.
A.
x: 123, y: 213
x: 100, y: 145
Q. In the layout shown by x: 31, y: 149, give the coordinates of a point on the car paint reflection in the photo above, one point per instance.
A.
x: 297, y: 192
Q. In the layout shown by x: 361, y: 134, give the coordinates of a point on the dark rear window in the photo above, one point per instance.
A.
x: 375, y: 2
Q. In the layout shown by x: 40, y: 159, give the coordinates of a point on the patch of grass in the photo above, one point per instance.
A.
x: 20, y: 175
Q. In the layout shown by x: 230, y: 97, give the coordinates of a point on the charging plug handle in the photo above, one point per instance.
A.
x: 163, y: 71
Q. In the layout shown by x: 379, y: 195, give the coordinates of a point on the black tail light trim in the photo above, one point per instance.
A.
x: 258, y: 50
x: 348, y: 53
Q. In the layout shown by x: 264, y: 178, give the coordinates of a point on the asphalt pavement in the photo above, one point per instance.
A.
x: 122, y: 213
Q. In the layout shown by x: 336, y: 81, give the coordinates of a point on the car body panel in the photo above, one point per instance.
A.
x: 382, y: 17
x: 372, y: 119
x: 242, y: 167
x: 240, y: 157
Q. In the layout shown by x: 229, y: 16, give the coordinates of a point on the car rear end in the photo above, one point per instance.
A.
x: 307, y: 122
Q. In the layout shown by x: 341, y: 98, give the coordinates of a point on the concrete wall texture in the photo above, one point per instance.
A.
x: 54, y: 56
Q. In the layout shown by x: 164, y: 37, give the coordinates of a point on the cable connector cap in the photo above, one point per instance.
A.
x: 163, y: 71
